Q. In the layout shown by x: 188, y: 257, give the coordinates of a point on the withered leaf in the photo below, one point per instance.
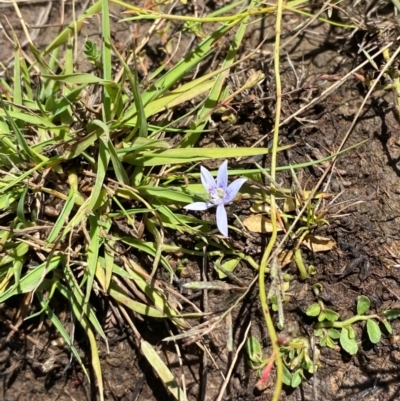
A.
x: 317, y: 243
x: 258, y: 223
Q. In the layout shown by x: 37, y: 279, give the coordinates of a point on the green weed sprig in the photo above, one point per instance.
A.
x: 329, y: 328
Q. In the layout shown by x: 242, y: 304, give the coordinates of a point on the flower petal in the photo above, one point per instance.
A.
x: 222, y: 177
x: 207, y: 180
x: 222, y: 220
x: 233, y: 189
x: 199, y: 206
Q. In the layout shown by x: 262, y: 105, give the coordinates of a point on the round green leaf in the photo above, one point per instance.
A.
x: 363, y: 304
x: 347, y: 343
x: 313, y: 310
x: 334, y: 334
x: 319, y: 333
x: 331, y: 315
x: 374, y: 332
x: 322, y: 316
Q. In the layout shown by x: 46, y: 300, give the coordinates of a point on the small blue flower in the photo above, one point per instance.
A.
x: 220, y: 194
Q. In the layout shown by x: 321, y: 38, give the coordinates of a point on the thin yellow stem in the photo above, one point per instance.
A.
x: 290, y: 6
x: 268, y: 251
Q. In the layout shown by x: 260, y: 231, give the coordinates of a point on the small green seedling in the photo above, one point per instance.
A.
x: 93, y: 54
x: 330, y: 329
x: 296, y: 361
x: 295, y: 354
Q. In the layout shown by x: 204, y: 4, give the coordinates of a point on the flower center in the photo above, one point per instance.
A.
x: 220, y: 193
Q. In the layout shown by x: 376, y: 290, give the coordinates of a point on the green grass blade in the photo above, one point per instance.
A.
x: 119, y: 170
x: 213, y: 99
x: 117, y: 293
x: 141, y: 124
x: 75, y: 25
x: 106, y: 58
x: 180, y: 69
x: 62, y: 218
x: 75, y: 296
x: 96, y: 365
x: 17, y: 92
x: 31, y: 280
x: 148, y: 247
x: 78, y: 147
x: 102, y: 165
x: 21, y: 207
x: 162, y: 370
x: 135, y: 306
x: 109, y: 258
x: 59, y: 326
x: 93, y: 254
x: 19, y: 255
x: 190, y: 155
x: 25, y: 148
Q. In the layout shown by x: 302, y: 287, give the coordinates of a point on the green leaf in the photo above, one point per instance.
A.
x: 296, y: 361
x: 210, y: 285
x: 31, y: 280
x: 333, y: 333
x: 106, y: 61
x: 317, y: 288
x: 75, y: 148
x: 331, y: 315
x: 74, y: 26
x: 352, y: 333
x: 297, y: 378
x: 214, y: 97
x: 162, y: 370
x: 25, y: 149
x: 75, y: 297
x: 228, y: 266
x: 330, y: 343
x: 136, y: 306
x: 21, y: 207
x: 174, y: 75
x: 63, y: 217
x: 92, y: 255
x: 313, y: 310
x: 186, y: 155
x: 92, y: 54
x: 253, y: 348
x: 322, y: 316
x: 373, y: 330
x: 363, y: 304
x: 63, y: 332
x: 347, y: 343
x: 391, y: 314
x: 387, y: 325
x: 81, y: 78
x: 287, y: 376
x: 148, y: 247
